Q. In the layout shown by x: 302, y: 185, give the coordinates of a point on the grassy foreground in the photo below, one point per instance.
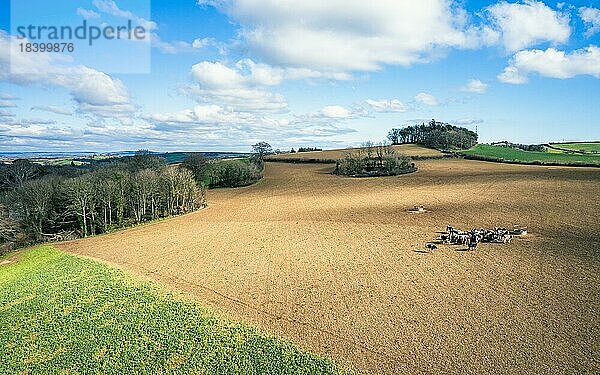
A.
x: 498, y: 153
x: 64, y: 314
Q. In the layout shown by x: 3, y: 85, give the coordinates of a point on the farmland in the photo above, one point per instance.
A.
x: 336, y: 265
x: 329, y: 156
x: 65, y: 314
x: 506, y: 154
x: 591, y: 147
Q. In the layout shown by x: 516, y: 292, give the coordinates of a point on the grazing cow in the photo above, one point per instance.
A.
x: 430, y: 246
x: 472, y: 245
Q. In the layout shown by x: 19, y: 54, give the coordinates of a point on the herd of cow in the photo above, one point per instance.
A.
x: 472, y: 238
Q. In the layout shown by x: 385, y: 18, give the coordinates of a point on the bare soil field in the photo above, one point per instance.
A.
x: 329, y: 155
x: 330, y: 263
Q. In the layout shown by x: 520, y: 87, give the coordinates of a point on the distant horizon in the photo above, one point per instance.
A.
x: 225, y: 74
x: 86, y: 153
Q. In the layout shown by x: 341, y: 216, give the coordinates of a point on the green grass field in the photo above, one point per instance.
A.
x: 498, y: 153
x: 64, y: 314
x: 585, y: 147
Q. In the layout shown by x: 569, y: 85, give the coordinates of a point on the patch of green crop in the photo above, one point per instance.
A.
x: 585, y: 147
x: 498, y: 153
x: 64, y: 314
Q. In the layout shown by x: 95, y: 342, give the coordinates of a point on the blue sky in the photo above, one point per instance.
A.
x: 223, y: 74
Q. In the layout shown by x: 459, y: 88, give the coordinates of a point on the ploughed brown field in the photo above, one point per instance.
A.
x: 331, y: 263
x: 405, y: 149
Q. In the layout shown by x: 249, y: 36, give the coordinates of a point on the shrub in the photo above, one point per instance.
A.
x: 235, y: 173
x: 374, y: 164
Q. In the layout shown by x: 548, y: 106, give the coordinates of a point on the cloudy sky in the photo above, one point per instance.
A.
x: 223, y: 74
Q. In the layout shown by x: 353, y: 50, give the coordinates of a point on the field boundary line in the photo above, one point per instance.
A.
x: 176, y: 279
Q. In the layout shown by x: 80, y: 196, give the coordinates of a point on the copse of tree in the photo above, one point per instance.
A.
x: 198, y: 165
x: 127, y: 192
x: 309, y: 149
x: 224, y: 173
x: 235, y: 173
x: 436, y: 135
x: 374, y: 160
x: 17, y: 173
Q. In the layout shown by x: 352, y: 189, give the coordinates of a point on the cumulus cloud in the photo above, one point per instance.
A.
x: 244, y: 85
x: 89, y: 88
x: 525, y: 24
x: 552, y: 63
x: 591, y: 18
x: 338, y: 35
x: 392, y: 105
x: 336, y: 112
x: 217, y: 123
x: 427, y: 99
x: 475, y: 86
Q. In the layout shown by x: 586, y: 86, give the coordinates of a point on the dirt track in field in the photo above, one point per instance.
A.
x: 330, y: 263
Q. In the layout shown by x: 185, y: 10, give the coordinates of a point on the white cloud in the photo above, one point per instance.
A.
x: 7, y: 104
x: 110, y: 7
x: 87, y: 14
x: 93, y: 90
x: 427, y: 99
x: 467, y: 121
x: 243, y: 85
x: 172, y: 47
x: 5, y: 113
x: 512, y: 75
x: 591, y: 18
x: 336, y: 112
x: 338, y: 35
x: 475, y: 86
x: 216, y: 123
x: 525, y: 24
x: 393, y: 105
x: 7, y: 96
x: 53, y: 109
x: 240, y: 99
x: 217, y: 76
x: 552, y: 63
x: 202, y: 42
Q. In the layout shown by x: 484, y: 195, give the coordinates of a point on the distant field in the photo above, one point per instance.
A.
x: 332, y: 155
x: 592, y: 147
x: 497, y: 153
x: 63, y: 314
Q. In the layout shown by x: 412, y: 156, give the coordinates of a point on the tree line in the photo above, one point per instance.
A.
x: 229, y: 172
x: 44, y: 204
x: 436, y: 135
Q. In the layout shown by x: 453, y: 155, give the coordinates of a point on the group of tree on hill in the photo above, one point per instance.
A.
x: 306, y: 149
x: 435, y: 134
x: 44, y: 204
x: 374, y: 160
